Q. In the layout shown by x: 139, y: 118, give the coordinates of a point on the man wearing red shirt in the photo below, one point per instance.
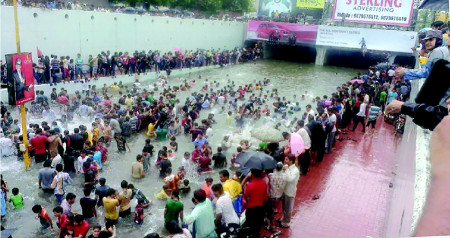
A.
x: 38, y: 143
x: 58, y: 212
x: 204, y: 162
x: 79, y: 226
x: 255, y: 195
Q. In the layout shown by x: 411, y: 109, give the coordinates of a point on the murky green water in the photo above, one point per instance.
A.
x: 289, y: 78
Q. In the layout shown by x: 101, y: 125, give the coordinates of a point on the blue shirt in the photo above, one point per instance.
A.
x: 200, y: 142
x: 391, y: 96
x: 205, y: 104
x: 436, y: 54
x: 98, y: 158
x: 3, y: 204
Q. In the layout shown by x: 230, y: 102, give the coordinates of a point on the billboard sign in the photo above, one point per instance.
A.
x: 388, y: 12
x: 20, y: 78
x: 274, y: 7
x: 262, y: 30
x: 310, y: 4
x: 373, y: 39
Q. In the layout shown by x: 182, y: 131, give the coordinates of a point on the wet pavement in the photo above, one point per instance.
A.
x: 354, y: 188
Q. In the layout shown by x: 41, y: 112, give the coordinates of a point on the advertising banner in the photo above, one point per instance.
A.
x: 372, y: 39
x: 388, y: 12
x: 274, y: 7
x: 20, y: 78
x: 310, y: 4
x: 263, y: 30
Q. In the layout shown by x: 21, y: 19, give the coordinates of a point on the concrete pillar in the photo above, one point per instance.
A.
x: 267, y: 51
x: 321, y: 52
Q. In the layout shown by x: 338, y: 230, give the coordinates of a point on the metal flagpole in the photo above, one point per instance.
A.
x: 26, y: 157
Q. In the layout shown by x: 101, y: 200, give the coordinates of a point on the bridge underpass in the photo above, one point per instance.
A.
x: 342, y: 57
x: 333, y: 45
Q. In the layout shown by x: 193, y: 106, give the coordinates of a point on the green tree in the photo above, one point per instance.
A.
x: 185, y: 4
x: 209, y: 6
x: 236, y: 5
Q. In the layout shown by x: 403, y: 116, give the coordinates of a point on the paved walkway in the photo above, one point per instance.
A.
x: 353, y: 183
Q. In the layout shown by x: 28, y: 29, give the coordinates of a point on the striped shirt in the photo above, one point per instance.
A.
x: 373, y: 113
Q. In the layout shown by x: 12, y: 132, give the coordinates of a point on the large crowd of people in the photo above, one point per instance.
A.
x: 56, y: 69
x: 122, y: 8
x: 268, y: 196
x: 118, y: 111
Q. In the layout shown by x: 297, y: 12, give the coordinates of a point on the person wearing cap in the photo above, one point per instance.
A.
x: 433, y: 44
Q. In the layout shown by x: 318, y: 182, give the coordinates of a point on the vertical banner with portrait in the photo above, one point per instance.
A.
x: 20, y: 78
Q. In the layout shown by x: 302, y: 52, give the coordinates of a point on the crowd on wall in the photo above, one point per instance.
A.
x: 152, y: 11
x: 56, y: 69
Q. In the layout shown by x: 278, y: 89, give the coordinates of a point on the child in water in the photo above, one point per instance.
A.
x: 16, y: 199
x: 165, y: 193
x: 139, y: 213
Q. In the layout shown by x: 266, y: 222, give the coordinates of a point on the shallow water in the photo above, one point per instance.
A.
x: 289, y: 78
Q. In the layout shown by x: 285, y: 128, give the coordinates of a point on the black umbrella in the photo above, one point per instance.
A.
x: 436, y: 5
x: 255, y: 160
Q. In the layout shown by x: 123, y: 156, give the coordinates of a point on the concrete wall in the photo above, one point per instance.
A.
x: 68, y: 32
x: 405, y: 207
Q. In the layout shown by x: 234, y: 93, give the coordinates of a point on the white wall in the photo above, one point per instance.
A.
x: 53, y: 33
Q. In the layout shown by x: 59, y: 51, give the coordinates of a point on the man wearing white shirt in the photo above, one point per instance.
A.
x: 56, y: 158
x: 309, y: 111
x: 221, y: 99
x: 333, y: 120
x: 391, y: 73
x: 6, y: 145
x: 81, y: 159
x: 360, y: 117
x: 225, y: 214
x: 305, y: 158
x: 291, y: 176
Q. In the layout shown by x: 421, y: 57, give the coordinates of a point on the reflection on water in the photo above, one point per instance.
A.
x: 289, y: 78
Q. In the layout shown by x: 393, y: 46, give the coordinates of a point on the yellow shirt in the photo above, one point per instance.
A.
x: 162, y: 195
x: 124, y: 198
x: 95, y: 134
x: 232, y: 187
x: 228, y: 120
x: 110, y: 205
x: 129, y: 102
x: 151, y: 130
x: 115, y: 88
x: 89, y: 138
